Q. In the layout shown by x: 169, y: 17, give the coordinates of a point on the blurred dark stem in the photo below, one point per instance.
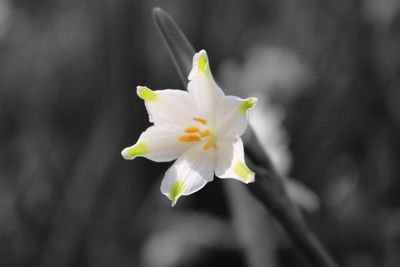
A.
x: 181, y: 52
x: 268, y: 188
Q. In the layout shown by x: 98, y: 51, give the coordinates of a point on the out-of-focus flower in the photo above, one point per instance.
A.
x: 268, y: 72
x: 381, y: 13
x: 266, y: 121
x: 200, y: 128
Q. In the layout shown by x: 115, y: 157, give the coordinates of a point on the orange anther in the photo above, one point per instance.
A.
x: 189, y: 137
x: 201, y: 120
x: 192, y: 129
x: 209, y: 144
x: 205, y: 133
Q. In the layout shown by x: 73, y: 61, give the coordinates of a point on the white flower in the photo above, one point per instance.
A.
x: 200, y: 128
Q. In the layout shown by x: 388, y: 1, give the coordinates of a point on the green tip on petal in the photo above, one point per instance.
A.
x: 146, y: 94
x: 202, y: 61
x: 132, y: 152
x: 247, y: 104
x: 175, y: 191
x: 242, y: 171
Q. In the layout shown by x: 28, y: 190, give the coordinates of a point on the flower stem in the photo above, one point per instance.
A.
x: 268, y: 188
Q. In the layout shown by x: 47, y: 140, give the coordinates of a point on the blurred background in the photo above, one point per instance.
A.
x: 327, y: 76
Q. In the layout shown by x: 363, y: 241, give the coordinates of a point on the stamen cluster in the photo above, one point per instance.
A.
x: 195, y: 134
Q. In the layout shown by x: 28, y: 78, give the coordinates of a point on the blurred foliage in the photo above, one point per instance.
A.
x: 330, y: 70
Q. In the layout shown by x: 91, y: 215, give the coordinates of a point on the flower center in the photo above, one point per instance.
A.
x: 195, y: 134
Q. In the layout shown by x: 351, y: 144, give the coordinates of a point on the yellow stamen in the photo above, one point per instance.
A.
x: 189, y: 137
x: 205, y: 133
x: 209, y: 144
x: 201, y: 120
x: 192, y: 129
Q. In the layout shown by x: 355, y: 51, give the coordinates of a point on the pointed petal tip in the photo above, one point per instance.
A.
x: 173, y: 203
x: 200, y: 60
x: 247, y: 104
x: 140, y: 87
x: 173, y: 200
x: 124, y: 153
x: 175, y: 191
x: 146, y: 93
x: 243, y: 172
x: 134, y: 151
x: 200, y: 64
x: 202, y: 52
x: 250, y: 179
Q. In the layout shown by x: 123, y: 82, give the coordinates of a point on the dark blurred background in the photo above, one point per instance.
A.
x: 327, y: 75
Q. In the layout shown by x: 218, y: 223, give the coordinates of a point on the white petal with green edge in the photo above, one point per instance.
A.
x: 230, y: 161
x: 158, y: 144
x: 202, y: 86
x: 232, y: 116
x: 171, y: 108
x: 189, y: 173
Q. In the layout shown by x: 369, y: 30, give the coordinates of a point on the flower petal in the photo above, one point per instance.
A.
x: 189, y: 173
x: 230, y: 161
x: 168, y: 108
x: 232, y: 116
x: 158, y: 144
x: 202, y: 86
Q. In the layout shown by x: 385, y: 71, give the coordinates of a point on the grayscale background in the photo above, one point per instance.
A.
x: 327, y: 74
